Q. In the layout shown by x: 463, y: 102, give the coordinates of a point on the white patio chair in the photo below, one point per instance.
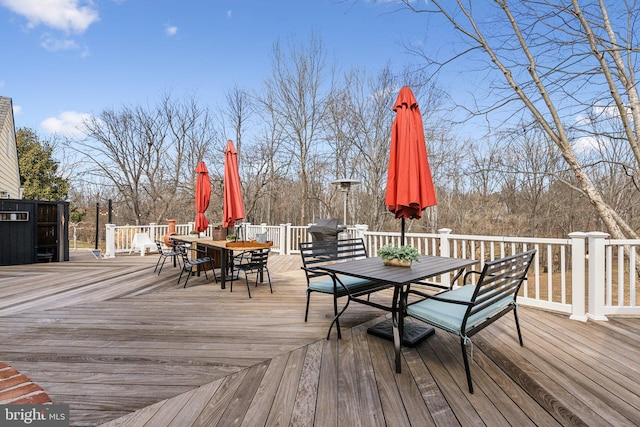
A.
x: 140, y: 242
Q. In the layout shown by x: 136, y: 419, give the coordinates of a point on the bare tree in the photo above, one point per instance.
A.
x: 240, y: 108
x: 148, y: 156
x: 556, y: 60
x: 296, y: 98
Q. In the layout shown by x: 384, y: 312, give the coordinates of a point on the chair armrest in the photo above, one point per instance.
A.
x: 199, y: 251
x: 314, y: 270
x: 464, y: 279
x: 419, y: 293
x: 437, y: 297
x: 432, y: 284
x: 450, y: 301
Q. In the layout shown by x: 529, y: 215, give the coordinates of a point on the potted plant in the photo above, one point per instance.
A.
x: 401, y: 256
x: 231, y: 237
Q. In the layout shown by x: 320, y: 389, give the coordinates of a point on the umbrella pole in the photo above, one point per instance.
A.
x: 402, y: 232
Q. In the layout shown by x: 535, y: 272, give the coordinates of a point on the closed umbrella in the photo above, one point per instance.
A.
x: 409, y: 183
x: 203, y: 195
x: 233, y: 208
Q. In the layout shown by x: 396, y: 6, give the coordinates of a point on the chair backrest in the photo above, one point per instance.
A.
x: 141, y: 240
x: 499, y: 283
x: 182, y: 250
x: 259, y: 257
x: 319, y: 253
x: 159, y: 246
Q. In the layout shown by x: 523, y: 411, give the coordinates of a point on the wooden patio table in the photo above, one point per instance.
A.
x: 401, y: 277
x: 226, y: 252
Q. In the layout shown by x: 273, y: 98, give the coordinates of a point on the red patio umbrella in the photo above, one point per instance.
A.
x: 409, y: 183
x: 203, y: 195
x: 233, y: 208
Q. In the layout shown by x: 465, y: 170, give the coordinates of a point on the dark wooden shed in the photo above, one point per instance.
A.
x: 33, y: 231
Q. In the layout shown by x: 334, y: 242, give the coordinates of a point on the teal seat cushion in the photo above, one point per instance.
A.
x: 325, y: 284
x: 449, y: 316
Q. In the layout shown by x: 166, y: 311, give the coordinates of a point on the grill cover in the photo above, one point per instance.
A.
x: 326, y: 229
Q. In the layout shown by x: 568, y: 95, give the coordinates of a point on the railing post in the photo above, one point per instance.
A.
x: 578, y: 284
x: 152, y: 231
x: 445, y: 251
x: 191, y: 226
x: 596, y: 275
x: 110, y: 251
x: 284, y: 241
x: 360, y: 230
x: 444, y: 242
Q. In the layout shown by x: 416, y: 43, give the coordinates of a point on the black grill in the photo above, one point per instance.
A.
x: 326, y: 229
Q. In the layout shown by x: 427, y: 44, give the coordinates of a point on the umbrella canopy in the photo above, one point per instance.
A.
x: 203, y: 195
x: 409, y: 183
x: 233, y: 208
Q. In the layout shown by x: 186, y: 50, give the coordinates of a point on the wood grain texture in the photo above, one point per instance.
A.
x: 126, y: 347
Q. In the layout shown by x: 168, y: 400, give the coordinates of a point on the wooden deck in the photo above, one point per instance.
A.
x: 125, y: 347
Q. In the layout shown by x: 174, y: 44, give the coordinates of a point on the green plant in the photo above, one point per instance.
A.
x: 193, y: 232
x: 406, y: 252
x: 231, y: 237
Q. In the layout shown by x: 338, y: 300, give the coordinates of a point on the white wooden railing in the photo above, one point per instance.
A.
x: 586, y: 275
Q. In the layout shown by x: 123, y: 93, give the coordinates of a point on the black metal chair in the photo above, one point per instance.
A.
x: 252, y: 262
x: 316, y: 254
x: 164, y: 254
x: 466, y: 310
x: 188, y: 264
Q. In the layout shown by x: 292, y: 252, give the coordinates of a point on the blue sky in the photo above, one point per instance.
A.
x: 62, y: 59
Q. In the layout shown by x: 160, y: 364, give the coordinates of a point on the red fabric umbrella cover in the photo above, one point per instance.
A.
x: 409, y: 183
x: 203, y: 195
x: 233, y: 208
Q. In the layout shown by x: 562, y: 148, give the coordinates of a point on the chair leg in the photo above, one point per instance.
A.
x: 269, y: 279
x: 157, y: 263
x: 188, y: 275
x: 515, y: 313
x: 467, y: 369
x: 246, y: 279
x: 306, y: 313
x: 180, y: 277
x: 213, y: 269
x: 161, y: 265
x: 335, y: 313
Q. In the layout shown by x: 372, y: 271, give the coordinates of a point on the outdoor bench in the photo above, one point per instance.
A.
x: 317, y: 254
x: 466, y: 310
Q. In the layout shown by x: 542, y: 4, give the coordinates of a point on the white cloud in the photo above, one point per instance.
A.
x: 606, y: 110
x: 17, y: 109
x: 54, y: 45
x: 170, y: 30
x: 66, y: 15
x: 68, y: 123
x: 586, y: 144
x: 581, y: 119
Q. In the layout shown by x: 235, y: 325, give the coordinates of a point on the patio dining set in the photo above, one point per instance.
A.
x: 194, y: 255
x: 469, y: 302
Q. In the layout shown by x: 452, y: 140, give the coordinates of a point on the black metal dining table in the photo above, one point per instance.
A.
x: 401, y: 278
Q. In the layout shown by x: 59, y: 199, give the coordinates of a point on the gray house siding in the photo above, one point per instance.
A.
x: 9, y: 170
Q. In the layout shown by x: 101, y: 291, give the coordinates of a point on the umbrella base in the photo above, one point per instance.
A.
x: 413, y: 334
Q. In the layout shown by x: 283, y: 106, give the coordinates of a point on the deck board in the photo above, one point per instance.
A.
x: 126, y: 347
